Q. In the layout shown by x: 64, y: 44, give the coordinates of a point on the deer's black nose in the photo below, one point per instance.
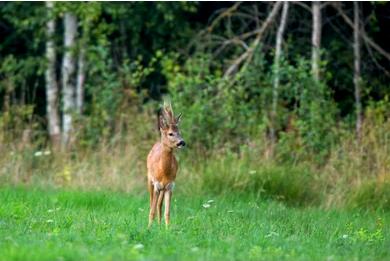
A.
x: 181, y: 143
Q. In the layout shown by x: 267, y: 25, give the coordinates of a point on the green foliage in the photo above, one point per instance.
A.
x: 221, y: 113
x: 112, y: 92
x: 27, y: 21
x: 147, y: 27
x: 17, y: 116
x: 313, y: 111
x: 213, y: 110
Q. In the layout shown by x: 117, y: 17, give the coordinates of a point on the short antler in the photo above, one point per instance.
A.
x: 167, y: 113
x: 177, y: 120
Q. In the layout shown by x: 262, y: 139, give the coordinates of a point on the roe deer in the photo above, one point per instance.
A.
x: 162, y: 165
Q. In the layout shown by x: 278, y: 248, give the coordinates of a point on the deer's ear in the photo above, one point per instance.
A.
x: 178, y: 118
x: 162, y: 123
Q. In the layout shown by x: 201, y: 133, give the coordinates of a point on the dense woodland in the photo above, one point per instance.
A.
x: 294, y: 93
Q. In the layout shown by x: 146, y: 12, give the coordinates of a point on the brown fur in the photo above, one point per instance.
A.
x: 162, y: 165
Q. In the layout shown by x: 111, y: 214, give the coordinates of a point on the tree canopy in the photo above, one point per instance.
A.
x: 215, y: 60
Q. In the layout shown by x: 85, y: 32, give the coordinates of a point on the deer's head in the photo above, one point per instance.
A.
x: 168, y: 126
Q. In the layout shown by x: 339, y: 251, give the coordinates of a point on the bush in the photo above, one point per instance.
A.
x: 227, y: 114
x: 214, y: 112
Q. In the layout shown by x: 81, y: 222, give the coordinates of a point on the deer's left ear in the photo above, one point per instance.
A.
x: 178, y: 118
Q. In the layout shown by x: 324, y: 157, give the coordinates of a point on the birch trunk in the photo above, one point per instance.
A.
x: 278, y: 52
x: 81, y: 66
x: 68, y: 76
x: 357, y: 75
x: 316, y: 40
x: 53, y: 117
x: 80, y: 80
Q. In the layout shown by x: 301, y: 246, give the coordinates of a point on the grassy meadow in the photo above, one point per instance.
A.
x: 92, y: 204
x: 66, y: 224
x: 286, y: 120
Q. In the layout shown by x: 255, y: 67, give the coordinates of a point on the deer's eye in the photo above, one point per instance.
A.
x: 170, y: 134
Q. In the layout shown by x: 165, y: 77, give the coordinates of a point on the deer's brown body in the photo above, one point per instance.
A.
x: 162, y: 165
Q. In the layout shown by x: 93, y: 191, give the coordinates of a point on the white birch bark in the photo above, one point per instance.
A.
x: 68, y: 76
x: 80, y: 80
x: 53, y: 118
x: 316, y: 40
x: 278, y: 52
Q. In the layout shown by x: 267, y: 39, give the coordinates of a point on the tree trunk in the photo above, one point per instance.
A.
x: 278, y: 52
x: 81, y: 65
x: 80, y: 80
x: 316, y: 40
x: 68, y: 76
x: 357, y: 76
x: 53, y: 118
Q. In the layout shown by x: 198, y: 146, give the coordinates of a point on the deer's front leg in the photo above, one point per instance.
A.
x: 167, y: 195
x: 153, y: 207
x: 159, y: 206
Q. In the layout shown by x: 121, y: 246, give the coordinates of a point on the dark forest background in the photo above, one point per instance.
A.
x: 285, y: 99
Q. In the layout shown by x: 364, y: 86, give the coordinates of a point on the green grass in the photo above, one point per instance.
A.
x: 37, y: 224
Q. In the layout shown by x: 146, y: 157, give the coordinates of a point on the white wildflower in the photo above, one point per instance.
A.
x: 138, y: 246
x: 206, y: 205
x: 38, y: 153
x: 42, y: 153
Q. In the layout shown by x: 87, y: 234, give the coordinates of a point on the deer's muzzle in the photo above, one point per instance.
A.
x: 181, y: 144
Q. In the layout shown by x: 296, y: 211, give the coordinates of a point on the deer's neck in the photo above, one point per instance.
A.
x: 166, y: 152
x: 166, y: 156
